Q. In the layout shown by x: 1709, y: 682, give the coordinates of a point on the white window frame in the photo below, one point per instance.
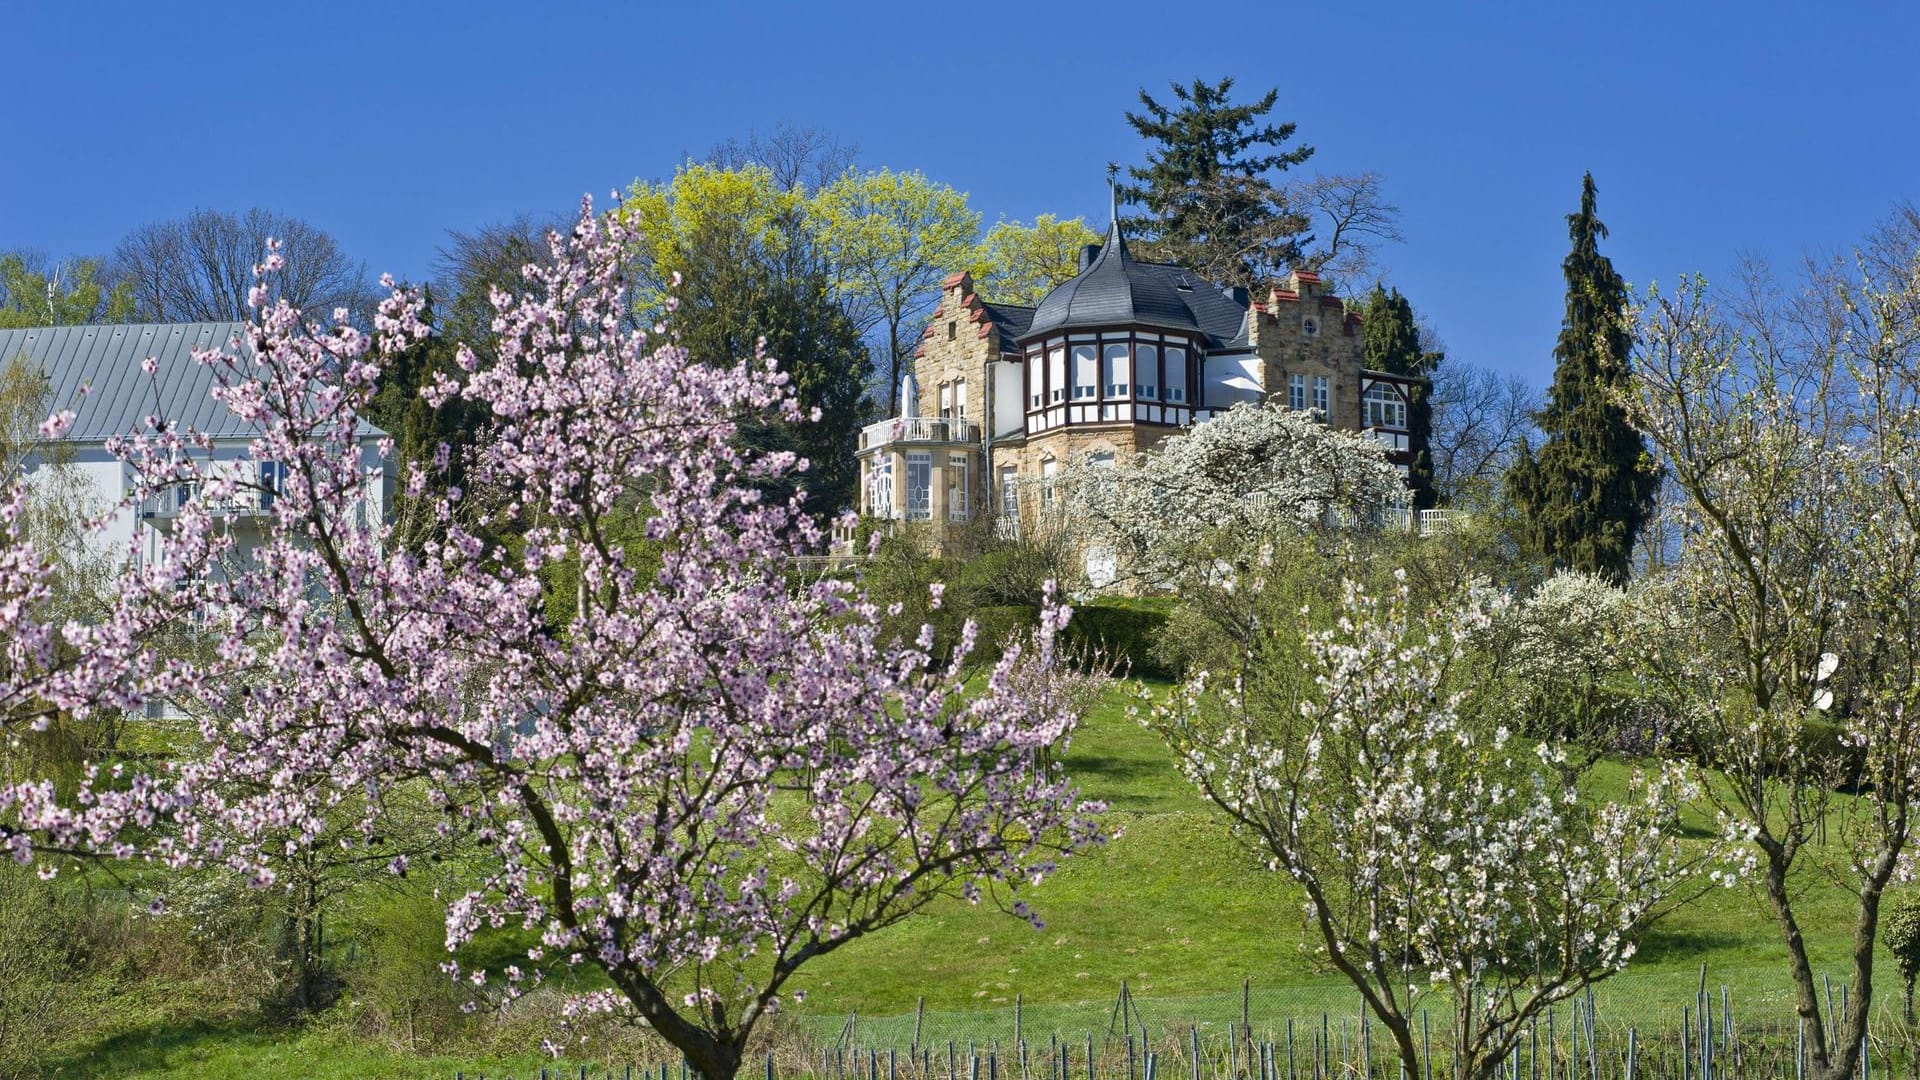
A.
x: 1176, y: 380
x: 1297, y: 393
x: 1323, y: 395
x: 1057, y: 374
x: 920, y: 497
x: 1010, y: 493
x: 1146, y: 365
x: 1086, y: 372
x: 959, y: 399
x: 1116, y: 367
x: 957, y: 487
x: 1385, y: 406
x: 881, y: 477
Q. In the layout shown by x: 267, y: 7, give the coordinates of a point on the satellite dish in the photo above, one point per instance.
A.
x: 1829, y: 663
x: 1823, y: 700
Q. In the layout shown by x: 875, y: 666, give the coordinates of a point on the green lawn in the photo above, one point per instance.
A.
x: 1174, y: 906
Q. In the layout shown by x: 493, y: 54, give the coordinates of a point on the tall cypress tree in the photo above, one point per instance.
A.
x: 1585, y: 496
x: 1390, y: 342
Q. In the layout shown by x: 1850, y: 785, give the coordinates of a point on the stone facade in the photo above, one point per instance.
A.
x: 1300, y: 330
x: 975, y: 353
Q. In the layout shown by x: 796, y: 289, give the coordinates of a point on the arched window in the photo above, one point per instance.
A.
x: 1119, y: 371
x: 1384, y: 406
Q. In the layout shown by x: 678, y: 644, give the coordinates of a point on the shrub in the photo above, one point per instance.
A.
x: 397, y: 975
x: 1127, y: 633
x: 38, y: 926
x: 1900, y: 929
x: 1000, y: 622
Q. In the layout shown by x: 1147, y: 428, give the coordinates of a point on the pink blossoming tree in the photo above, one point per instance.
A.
x: 705, y: 778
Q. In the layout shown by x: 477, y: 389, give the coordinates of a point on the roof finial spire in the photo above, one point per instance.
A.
x: 1113, y: 193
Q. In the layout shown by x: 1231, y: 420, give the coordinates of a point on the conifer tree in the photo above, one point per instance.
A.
x: 1390, y: 342
x: 1209, y: 186
x: 1585, y: 495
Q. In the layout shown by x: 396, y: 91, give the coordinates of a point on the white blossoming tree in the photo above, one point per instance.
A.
x: 1230, y: 484
x: 1792, y: 427
x: 1442, y: 858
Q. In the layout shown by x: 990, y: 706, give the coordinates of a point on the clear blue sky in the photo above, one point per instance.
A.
x: 1713, y: 130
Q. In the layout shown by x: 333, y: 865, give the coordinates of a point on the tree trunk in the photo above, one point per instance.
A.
x: 1806, y: 995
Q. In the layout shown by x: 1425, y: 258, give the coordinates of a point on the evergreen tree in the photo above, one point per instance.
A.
x: 736, y: 290
x: 1585, y: 496
x: 1212, y: 203
x: 1390, y: 342
x: 419, y: 429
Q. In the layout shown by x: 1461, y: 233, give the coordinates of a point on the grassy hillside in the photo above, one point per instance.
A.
x: 1175, y: 906
x: 1178, y: 907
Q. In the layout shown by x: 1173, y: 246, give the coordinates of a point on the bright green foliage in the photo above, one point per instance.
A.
x: 1020, y: 264
x: 889, y: 239
x: 64, y: 294
x: 753, y: 267
x: 1390, y: 341
x: 1588, y: 491
x: 1209, y: 186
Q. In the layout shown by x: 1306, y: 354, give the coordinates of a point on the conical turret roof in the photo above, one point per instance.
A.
x: 1112, y: 290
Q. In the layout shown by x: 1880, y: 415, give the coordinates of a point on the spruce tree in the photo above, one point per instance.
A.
x: 1585, y: 495
x: 1390, y: 342
x: 1212, y: 204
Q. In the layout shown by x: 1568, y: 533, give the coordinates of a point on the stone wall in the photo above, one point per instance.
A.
x: 1330, y: 348
x: 958, y: 344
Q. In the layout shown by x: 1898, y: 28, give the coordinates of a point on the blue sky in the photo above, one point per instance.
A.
x: 1714, y: 131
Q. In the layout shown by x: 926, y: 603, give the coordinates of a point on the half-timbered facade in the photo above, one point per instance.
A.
x: 1111, y: 362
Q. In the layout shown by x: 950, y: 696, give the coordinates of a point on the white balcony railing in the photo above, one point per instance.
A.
x: 919, y: 429
x: 167, y: 504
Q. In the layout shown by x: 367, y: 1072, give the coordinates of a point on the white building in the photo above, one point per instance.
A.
x: 108, y: 363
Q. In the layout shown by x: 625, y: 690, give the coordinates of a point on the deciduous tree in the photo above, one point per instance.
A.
x: 1020, y: 264
x: 1442, y: 859
x: 37, y: 292
x: 1791, y: 425
x: 706, y: 778
x: 743, y: 264
x: 889, y: 240
x: 1481, y: 421
x: 199, y: 268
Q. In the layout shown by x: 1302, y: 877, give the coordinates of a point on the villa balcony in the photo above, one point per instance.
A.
x: 165, y: 506
x: 919, y: 429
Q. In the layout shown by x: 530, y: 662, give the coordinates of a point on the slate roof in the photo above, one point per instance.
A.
x: 1010, y: 322
x: 108, y: 357
x: 1219, y: 311
x: 1113, y: 290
